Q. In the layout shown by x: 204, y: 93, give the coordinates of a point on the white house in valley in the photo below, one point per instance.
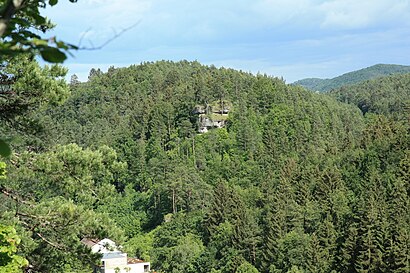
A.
x: 113, y: 260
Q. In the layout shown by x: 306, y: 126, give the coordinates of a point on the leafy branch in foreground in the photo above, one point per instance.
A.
x: 9, y: 261
x: 21, y: 23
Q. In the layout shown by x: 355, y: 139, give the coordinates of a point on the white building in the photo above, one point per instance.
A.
x: 113, y: 260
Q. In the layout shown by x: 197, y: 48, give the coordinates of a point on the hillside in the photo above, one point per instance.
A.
x: 388, y: 96
x: 379, y: 70
x: 288, y: 180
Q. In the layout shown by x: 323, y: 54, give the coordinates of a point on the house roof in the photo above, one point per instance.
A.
x: 113, y: 255
x: 90, y: 242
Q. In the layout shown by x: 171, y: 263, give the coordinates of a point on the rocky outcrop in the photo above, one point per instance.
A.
x: 212, y: 115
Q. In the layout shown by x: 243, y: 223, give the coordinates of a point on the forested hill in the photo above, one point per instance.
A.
x: 294, y: 181
x: 388, y: 96
x: 157, y: 101
x: 353, y: 77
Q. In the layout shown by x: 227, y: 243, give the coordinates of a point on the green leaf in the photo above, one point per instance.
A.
x: 53, y: 55
x: 39, y: 42
x: 4, y: 148
x: 53, y: 2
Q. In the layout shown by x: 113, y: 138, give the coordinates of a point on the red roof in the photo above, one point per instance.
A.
x: 89, y: 242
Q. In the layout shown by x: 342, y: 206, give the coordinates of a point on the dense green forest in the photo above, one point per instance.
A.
x: 294, y: 182
x: 372, y: 72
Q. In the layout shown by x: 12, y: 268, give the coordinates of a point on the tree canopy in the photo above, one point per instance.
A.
x: 283, y: 179
x: 293, y: 182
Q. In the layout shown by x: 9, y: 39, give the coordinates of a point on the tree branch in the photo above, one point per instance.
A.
x: 13, y: 196
x: 7, y: 13
x: 32, y: 227
x: 49, y: 242
x: 116, y: 35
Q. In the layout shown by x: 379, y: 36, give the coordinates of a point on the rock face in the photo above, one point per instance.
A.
x: 212, y: 115
x: 199, y: 109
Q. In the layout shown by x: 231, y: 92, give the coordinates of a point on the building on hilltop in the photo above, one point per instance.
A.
x: 113, y: 260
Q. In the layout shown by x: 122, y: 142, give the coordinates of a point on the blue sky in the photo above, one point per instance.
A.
x: 293, y: 39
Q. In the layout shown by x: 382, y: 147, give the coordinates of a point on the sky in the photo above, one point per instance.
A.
x: 293, y: 39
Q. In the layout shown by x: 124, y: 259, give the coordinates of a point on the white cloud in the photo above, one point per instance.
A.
x: 293, y: 38
x: 344, y: 14
x: 120, y: 12
x: 364, y: 13
x: 164, y: 22
x: 98, y: 19
x: 284, y: 11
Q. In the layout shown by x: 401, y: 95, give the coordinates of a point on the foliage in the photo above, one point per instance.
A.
x: 295, y: 181
x: 10, y: 262
x: 388, y: 96
x: 2, y: 170
x: 53, y: 196
x: 25, y: 89
x: 4, y: 148
x: 20, y: 24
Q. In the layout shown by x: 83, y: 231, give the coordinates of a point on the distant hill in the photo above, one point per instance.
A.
x: 378, y: 70
x: 389, y: 96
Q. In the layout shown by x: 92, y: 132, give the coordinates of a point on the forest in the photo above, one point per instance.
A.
x: 294, y: 181
x: 354, y: 77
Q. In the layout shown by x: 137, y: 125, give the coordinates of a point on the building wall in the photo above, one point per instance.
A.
x: 112, y: 270
x: 139, y: 267
x: 131, y: 268
x: 115, y: 262
x: 124, y: 267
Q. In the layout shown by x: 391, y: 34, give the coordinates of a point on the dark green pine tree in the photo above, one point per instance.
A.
x: 315, y: 256
x: 398, y: 244
x: 348, y: 252
x: 321, y: 251
x: 372, y: 231
x: 269, y: 247
x: 222, y: 208
x: 248, y: 236
x: 282, y: 214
